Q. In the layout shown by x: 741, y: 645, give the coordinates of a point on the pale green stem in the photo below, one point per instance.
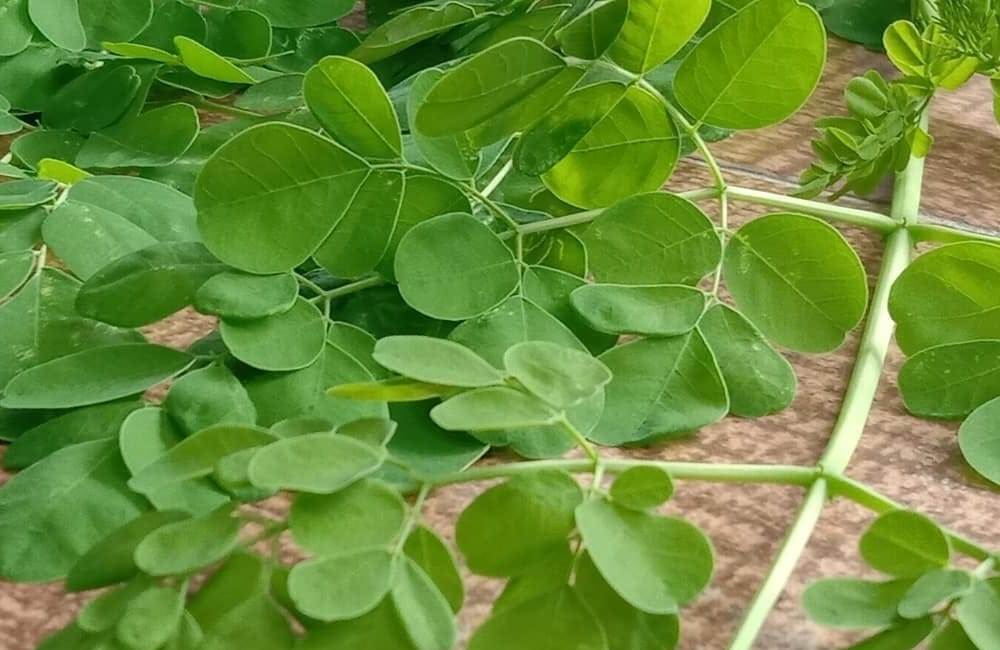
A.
x: 353, y: 287
x: 857, y: 404
x: 852, y: 216
x: 581, y: 442
x: 498, y: 179
x: 414, y: 518
x: 215, y: 107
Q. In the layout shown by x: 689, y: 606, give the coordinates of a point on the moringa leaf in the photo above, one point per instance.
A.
x: 641, y: 488
x: 951, y: 381
x: 646, y: 310
x: 343, y: 586
x: 364, y: 515
x: 155, y: 138
x: 412, y: 27
x: 301, y: 328
x: 905, y: 544
x: 435, y: 361
x: 979, y: 439
x: 59, y: 21
x: 317, y: 463
x: 655, y: 30
x: 206, y: 63
x: 493, y: 408
x: 185, y: 546
x: 207, y: 397
x: 559, y: 375
x: 853, y: 604
x: 241, y: 296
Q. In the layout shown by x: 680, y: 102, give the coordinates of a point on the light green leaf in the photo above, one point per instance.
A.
x: 238, y: 33
x: 430, y: 553
x: 853, y: 604
x: 274, y: 218
x: 318, y: 463
x: 979, y: 614
x: 114, y: 20
x: 551, y: 290
x: 516, y: 524
x: 536, y: 624
x: 242, y: 576
x: 590, y: 34
x: 626, y: 627
x: 154, y: 138
x: 379, y: 628
x: 422, y: 608
x: 396, y: 389
x: 94, y: 376
x: 112, y: 559
x: 205, y: 63
x: 151, y: 618
x: 289, y: 13
x: 952, y: 637
x: 759, y: 380
x: 301, y: 329
x: 15, y: 269
x: 670, y: 559
x: 656, y: 30
x: 147, y: 285
x: 650, y: 310
x: 59, y: 21
x: 93, y: 100
x: 241, y: 296
x: 60, y: 172
x: 557, y: 374
x: 273, y: 96
x: 435, y: 361
x: 951, y: 381
x: 660, y: 387
x: 798, y: 280
x: 40, y: 323
x: 351, y: 105
x: 655, y: 238
x: 411, y: 27
x: 207, y: 397
x: 905, y: 47
x: 641, y: 488
x: 26, y: 193
x: 146, y: 436
x: 453, y: 155
x: 979, y: 439
x: 905, y: 544
x: 945, y: 296
x: 902, y: 636
x: 756, y: 68
x: 77, y: 496
x: 185, y: 546
x: 196, y: 456
x: 97, y: 422
x: 104, y: 612
x: 635, y: 145
x: 364, y: 515
x: 454, y: 282
x: 16, y: 29
x: 492, y: 409
x: 931, y: 589
x: 486, y: 85
x: 362, y: 237
x: 342, y: 586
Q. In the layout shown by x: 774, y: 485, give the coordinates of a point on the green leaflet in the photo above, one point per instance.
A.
x: 590, y: 34
x: 977, y: 612
x: 672, y: 559
x: 288, y: 13
x: 946, y: 296
x: 635, y: 143
x: 656, y: 30
x: 208, y: 64
x: 640, y: 488
x: 759, y: 380
x: 114, y: 20
x: 209, y: 396
x: 343, y: 586
x: 950, y: 381
x: 273, y: 219
x: 486, y: 85
x: 626, y: 627
x: 435, y: 361
x: 410, y: 28
x: 380, y: 628
x: 364, y: 515
x: 273, y: 96
x: 59, y: 21
x: 146, y: 436
x: 426, y: 449
x: 29, y: 78
x: 532, y: 513
x: 551, y: 290
x: 239, y: 34
x: 905, y: 544
x: 654, y: 238
x: 853, y: 604
x: 318, y: 463
x: 979, y: 439
x: 650, y: 310
x: 430, y: 553
x: 184, y: 546
x: 491, y: 409
x: 94, y: 100
x: 904, y: 635
x: 147, y: 285
x: 559, y: 375
x: 351, y: 105
x: 15, y: 269
x: 16, y: 29
x: 150, y: 619
x: 756, y: 68
x: 660, y: 387
x: 155, y: 138
x: 77, y: 495
x: 302, y: 328
x: 26, y: 193
x: 94, y: 376
x: 422, y: 608
x: 798, y: 280
x: 196, y: 456
x: 454, y: 155
x: 450, y: 282
x: 241, y: 296
x: 931, y: 589
x: 532, y: 625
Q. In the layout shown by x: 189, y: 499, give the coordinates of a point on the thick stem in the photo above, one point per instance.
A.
x: 857, y: 404
x: 852, y: 216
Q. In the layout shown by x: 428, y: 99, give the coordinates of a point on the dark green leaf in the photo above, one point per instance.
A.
x: 905, y: 544
x: 301, y: 329
x: 951, y: 381
x: 650, y: 310
x: 241, y: 296
x: 154, y: 138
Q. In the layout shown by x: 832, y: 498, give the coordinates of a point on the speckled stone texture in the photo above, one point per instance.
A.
x: 911, y: 460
